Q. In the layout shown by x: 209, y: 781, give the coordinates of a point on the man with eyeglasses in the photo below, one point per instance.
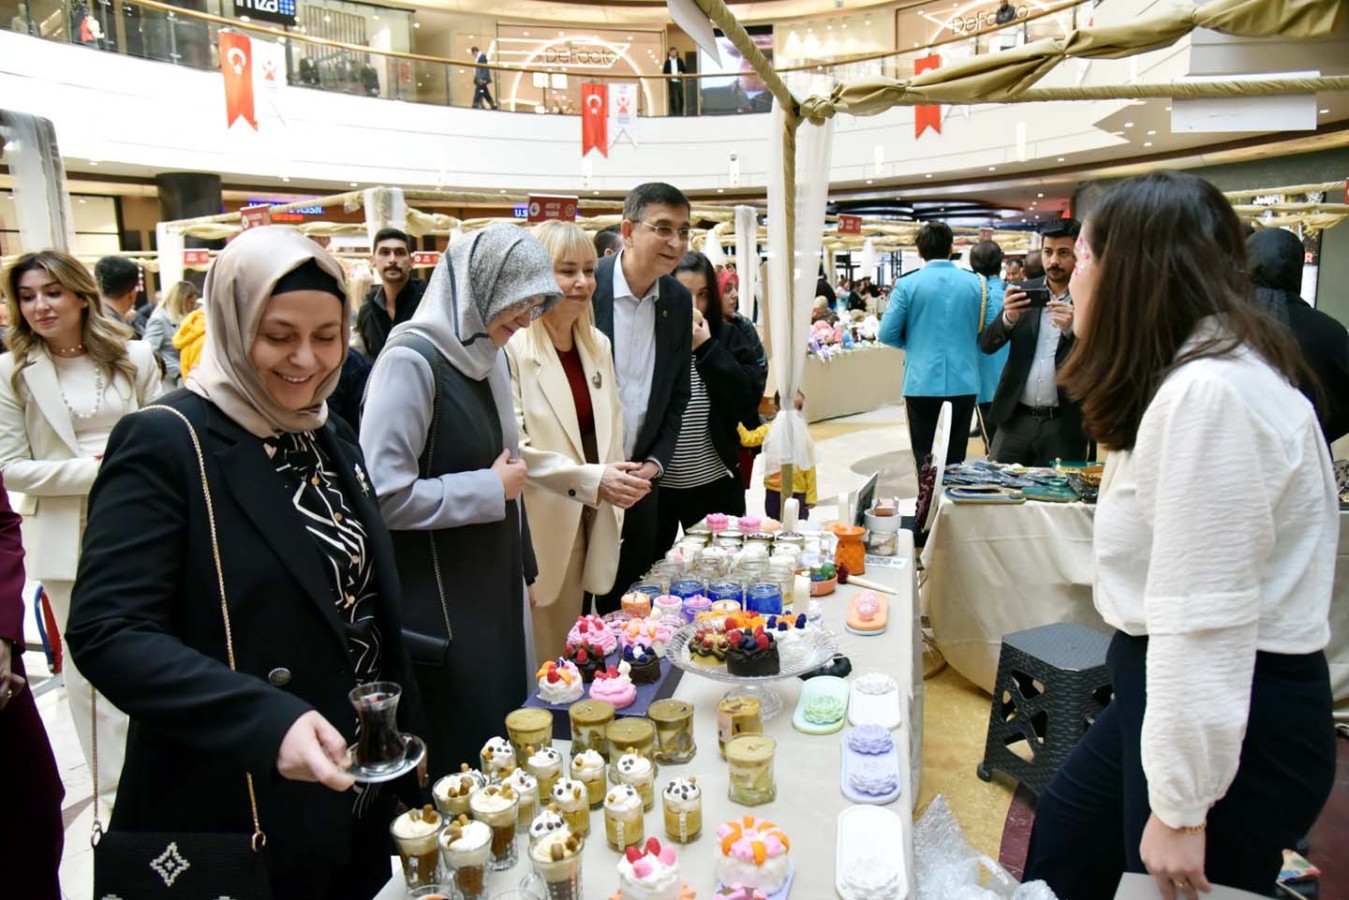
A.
x: 648, y: 317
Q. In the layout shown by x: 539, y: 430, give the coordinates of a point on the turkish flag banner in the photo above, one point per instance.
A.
x: 236, y: 64
x: 595, y: 118
x: 925, y: 117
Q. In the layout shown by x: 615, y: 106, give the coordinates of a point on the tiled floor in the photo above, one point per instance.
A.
x: 847, y: 451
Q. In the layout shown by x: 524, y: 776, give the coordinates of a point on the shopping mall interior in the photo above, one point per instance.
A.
x: 167, y: 126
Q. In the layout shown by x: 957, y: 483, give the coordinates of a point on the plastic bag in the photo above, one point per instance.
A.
x: 948, y: 868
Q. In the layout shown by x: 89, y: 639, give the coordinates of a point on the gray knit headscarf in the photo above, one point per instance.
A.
x: 484, y: 274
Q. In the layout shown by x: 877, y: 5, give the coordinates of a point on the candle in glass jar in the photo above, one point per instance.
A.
x: 630, y: 735
x: 737, y: 716
x: 749, y: 760
x: 674, y: 730
x: 589, y: 720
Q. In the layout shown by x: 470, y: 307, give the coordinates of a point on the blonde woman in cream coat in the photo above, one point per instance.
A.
x: 579, y: 483
x: 72, y: 373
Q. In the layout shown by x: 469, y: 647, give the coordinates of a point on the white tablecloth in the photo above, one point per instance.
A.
x: 806, y: 767
x: 853, y: 382
x: 992, y: 570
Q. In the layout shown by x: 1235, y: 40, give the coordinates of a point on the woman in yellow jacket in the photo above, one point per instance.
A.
x: 803, y: 480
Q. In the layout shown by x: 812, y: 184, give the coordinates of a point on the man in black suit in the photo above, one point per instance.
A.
x: 1036, y: 421
x: 673, y: 65
x: 648, y: 318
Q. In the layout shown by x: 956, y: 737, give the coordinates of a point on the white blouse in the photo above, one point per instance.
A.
x: 92, y: 414
x: 1216, y: 537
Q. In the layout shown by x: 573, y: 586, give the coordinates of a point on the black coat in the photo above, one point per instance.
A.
x: 372, y: 319
x: 674, y: 344
x: 1023, y: 334
x: 730, y: 371
x: 146, y: 629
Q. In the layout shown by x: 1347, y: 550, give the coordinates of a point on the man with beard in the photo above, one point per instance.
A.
x: 1036, y: 421
x: 397, y: 295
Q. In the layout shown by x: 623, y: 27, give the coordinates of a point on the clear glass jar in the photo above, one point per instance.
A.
x: 749, y: 762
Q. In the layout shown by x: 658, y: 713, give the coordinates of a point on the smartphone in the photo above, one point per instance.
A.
x: 1039, y: 296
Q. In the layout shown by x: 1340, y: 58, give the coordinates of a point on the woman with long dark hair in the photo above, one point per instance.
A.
x: 725, y: 386
x: 1215, y: 544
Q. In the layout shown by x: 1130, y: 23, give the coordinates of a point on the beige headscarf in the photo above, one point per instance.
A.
x: 238, y: 287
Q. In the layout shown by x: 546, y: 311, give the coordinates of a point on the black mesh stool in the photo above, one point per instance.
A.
x: 1051, y: 685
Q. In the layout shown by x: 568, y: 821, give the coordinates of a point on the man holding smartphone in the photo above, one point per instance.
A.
x: 1036, y: 421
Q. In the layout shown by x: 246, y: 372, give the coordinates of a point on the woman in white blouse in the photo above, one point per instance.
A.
x: 1215, y: 543
x: 71, y: 374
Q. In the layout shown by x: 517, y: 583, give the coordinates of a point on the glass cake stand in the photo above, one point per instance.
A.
x: 812, y: 648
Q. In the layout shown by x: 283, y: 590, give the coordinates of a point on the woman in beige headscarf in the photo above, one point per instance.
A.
x: 307, y: 568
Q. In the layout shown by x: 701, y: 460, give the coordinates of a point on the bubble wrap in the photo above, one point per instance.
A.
x: 947, y: 868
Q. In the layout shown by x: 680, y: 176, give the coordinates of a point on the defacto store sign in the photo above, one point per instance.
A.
x: 543, y: 207
x: 282, y: 12
x: 596, y: 55
x: 981, y: 19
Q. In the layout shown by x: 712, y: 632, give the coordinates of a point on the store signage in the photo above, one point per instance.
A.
x: 543, y: 207
x: 282, y: 12
x: 425, y: 258
x: 255, y: 216
x: 520, y: 210
x: 849, y: 224
x: 196, y: 259
x: 593, y: 55
x: 984, y: 18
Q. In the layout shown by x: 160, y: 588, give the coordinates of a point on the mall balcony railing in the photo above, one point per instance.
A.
x: 163, y: 32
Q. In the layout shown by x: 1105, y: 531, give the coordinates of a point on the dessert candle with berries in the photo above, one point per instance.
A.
x: 650, y: 872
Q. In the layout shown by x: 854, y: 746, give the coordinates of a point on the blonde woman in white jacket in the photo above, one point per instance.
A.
x: 571, y: 440
x: 70, y: 375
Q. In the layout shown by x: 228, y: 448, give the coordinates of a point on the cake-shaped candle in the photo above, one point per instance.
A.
x: 650, y: 872
x: 559, y: 682
x: 614, y: 685
x: 753, y: 853
x: 587, y: 658
x: 593, y: 630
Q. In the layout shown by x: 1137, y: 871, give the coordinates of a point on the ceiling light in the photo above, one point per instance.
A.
x: 1128, y: 124
x: 1152, y: 132
x: 1147, y: 143
x: 561, y: 33
x: 353, y: 184
x: 844, y: 25
x: 868, y: 181
x: 326, y: 18
x: 83, y: 201
x: 503, y: 190
x: 1060, y: 159
x: 93, y: 162
x: 992, y: 168
x: 1039, y: 195
x: 594, y: 192
x: 1325, y: 112
x: 416, y: 24
x: 285, y: 178
x: 629, y: 37
x: 1168, y: 109
x: 376, y: 18
x: 247, y: 19
x: 721, y: 190
x: 928, y: 175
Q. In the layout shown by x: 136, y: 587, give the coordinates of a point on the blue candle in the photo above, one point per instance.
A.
x: 765, y: 598
x: 726, y: 590
x: 684, y: 588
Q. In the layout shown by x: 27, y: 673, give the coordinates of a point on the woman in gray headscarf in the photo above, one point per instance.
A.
x: 439, y: 433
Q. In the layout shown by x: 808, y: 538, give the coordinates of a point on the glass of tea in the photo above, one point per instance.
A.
x: 379, y: 745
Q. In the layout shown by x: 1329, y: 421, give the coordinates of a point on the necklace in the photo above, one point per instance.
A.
x: 68, y: 351
x: 98, y: 397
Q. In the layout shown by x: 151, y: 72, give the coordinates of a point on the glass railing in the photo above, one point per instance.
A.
x: 174, y: 34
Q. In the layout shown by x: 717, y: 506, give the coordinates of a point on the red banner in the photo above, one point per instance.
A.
x: 595, y: 118
x: 425, y: 258
x: 925, y: 117
x: 196, y: 259
x: 255, y: 216
x: 236, y: 64
x: 849, y: 224
x: 543, y: 207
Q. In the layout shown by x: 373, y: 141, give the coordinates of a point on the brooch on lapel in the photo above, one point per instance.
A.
x: 596, y: 380
x: 360, y: 478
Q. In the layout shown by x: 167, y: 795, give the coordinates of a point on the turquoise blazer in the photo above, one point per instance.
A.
x: 934, y: 318
x: 991, y: 364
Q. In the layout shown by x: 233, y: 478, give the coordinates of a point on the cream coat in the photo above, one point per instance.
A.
x: 560, y: 481
x: 39, y: 458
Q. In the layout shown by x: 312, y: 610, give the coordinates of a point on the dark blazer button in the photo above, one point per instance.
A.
x: 279, y: 677
x: 571, y: 492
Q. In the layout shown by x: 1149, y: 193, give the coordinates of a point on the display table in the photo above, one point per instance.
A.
x: 806, y: 767
x: 852, y: 381
x: 993, y: 570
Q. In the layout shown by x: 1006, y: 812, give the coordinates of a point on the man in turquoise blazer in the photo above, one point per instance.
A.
x: 934, y: 317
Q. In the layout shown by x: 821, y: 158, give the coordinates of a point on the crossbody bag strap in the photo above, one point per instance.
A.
x: 259, y: 839
x: 983, y: 304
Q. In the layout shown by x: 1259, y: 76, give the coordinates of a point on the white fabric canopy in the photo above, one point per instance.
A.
x: 789, y: 307
x: 42, y: 205
x: 747, y: 257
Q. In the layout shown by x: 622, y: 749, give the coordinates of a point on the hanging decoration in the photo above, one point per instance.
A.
x: 595, y: 119
x: 926, y: 116
x: 236, y: 65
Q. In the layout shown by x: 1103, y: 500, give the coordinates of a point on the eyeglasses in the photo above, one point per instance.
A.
x: 533, y: 307
x: 666, y: 232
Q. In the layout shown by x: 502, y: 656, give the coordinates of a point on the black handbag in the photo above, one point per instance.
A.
x: 144, y: 865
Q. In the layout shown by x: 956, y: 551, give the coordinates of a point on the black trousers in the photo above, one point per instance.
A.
x: 637, y: 551
x: 683, y: 507
x: 482, y: 93
x: 1032, y: 441
x: 1089, y: 821
x: 675, y: 89
x: 922, y: 415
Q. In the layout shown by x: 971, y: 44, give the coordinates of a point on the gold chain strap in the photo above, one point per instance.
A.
x: 259, y: 839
